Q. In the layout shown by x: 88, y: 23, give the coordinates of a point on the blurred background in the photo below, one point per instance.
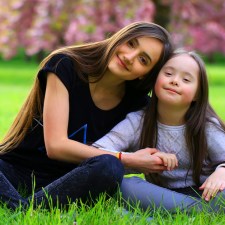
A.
x: 30, y: 29
x: 40, y: 26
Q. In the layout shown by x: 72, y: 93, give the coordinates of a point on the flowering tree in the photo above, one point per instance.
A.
x: 44, y: 25
x: 198, y: 24
x: 40, y: 25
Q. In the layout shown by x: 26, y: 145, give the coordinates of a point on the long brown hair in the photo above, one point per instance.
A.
x: 91, y: 60
x: 199, y: 112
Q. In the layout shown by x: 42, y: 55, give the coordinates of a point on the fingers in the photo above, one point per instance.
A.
x: 155, y: 169
x: 202, y: 187
x: 170, y: 161
x: 222, y: 187
x: 210, y: 194
x: 158, y: 168
x: 210, y: 191
x: 213, y: 184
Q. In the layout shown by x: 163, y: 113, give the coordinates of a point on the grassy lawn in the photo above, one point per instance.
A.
x: 16, y: 78
x: 216, y: 76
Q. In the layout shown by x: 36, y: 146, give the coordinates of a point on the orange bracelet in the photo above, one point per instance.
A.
x: 119, y: 155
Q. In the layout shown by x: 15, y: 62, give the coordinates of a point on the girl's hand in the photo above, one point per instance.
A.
x: 213, y: 184
x: 169, y: 160
x: 144, y: 160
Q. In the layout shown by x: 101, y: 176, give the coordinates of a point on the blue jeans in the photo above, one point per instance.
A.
x: 93, y: 176
x: 149, y: 196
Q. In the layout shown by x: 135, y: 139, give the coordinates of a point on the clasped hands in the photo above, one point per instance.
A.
x: 150, y: 160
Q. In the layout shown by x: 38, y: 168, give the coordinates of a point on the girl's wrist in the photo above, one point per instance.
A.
x: 126, y: 159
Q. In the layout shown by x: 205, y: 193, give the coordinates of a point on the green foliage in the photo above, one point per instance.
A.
x: 217, y: 58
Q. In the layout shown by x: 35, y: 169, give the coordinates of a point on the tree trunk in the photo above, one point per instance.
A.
x: 162, y: 16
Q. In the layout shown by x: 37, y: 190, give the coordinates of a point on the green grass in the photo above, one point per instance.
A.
x: 16, y: 78
x: 216, y: 76
x: 104, y: 212
x: 108, y: 212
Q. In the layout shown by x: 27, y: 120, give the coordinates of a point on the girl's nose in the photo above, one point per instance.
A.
x: 174, y: 81
x: 130, y: 57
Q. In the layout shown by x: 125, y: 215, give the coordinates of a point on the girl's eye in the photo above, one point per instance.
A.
x: 130, y: 43
x: 168, y: 74
x: 143, y: 60
x: 186, y: 80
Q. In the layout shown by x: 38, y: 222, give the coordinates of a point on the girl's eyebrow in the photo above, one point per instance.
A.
x: 189, y: 74
x: 168, y: 67
x: 186, y: 73
x: 145, y: 53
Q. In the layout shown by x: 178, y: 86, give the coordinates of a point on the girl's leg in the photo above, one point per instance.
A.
x: 94, y: 176
x: 138, y: 191
x: 8, y: 194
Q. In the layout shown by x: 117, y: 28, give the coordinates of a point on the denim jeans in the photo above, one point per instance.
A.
x: 93, y: 176
x: 149, y: 196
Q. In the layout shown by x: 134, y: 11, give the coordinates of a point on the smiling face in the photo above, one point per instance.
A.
x: 135, y: 58
x: 177, y: 82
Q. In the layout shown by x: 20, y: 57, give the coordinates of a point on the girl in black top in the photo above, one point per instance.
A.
x: 79, y: 94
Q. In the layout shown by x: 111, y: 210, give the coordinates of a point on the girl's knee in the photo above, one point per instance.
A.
x: 105, y: 167
x: 111, y: 168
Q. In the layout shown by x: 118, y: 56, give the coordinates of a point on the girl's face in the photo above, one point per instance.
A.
x: 135, y: 58
x: 177, y: 82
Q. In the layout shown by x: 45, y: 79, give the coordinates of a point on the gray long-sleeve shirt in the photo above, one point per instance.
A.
x: 125, y: 137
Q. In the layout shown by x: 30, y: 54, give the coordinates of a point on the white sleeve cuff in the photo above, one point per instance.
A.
x: 109, y: 150
x: 221, y: 165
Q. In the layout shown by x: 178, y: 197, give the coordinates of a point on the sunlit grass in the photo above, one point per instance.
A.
x: 216, y: 74
x: 107, y: 211
x: 16, y: 78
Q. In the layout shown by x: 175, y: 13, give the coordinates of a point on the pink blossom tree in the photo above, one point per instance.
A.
x: 38, y: 25
x: 198, y: 24
x: 44, y: 25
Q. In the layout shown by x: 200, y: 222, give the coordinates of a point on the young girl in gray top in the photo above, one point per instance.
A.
x: 186, y: 134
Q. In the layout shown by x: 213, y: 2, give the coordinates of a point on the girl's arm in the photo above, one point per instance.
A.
x: 216, y: 149
x: 124, y: 136
x: 55, y: 122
